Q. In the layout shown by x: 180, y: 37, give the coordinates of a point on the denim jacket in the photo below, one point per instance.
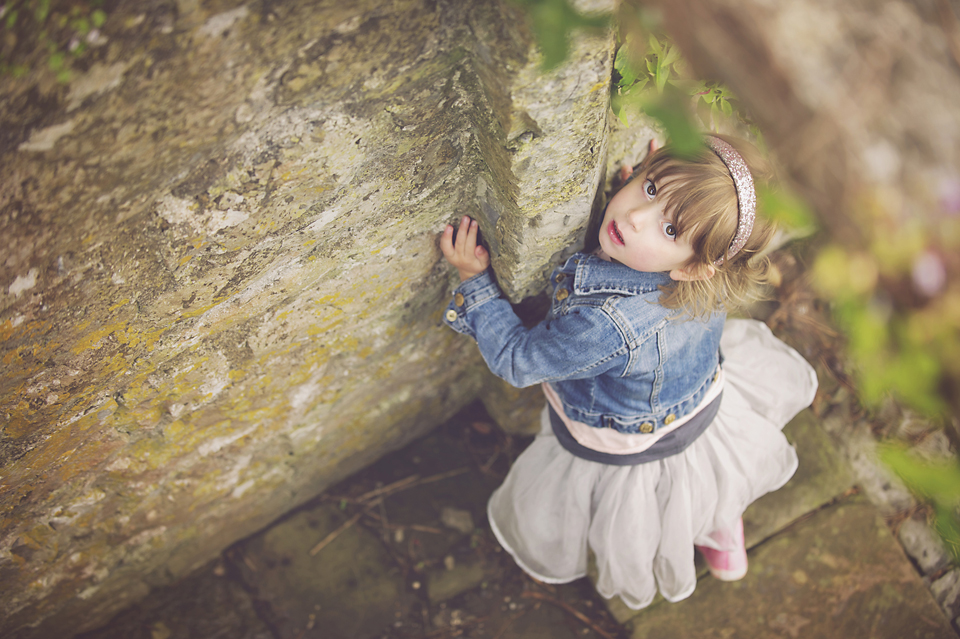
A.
x: 615, y: 357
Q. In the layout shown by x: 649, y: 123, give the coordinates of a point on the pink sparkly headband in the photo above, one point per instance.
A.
x: 746, y: 195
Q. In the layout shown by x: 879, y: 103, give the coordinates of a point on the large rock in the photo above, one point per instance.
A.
x: 221, y: 284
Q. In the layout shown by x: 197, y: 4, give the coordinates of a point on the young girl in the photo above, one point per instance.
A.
x: 663, y: 422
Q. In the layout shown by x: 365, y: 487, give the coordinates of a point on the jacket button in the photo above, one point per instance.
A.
x: 562, y: 294
x: 646, y: 428
x: 560, y: 277
x: 451, y: 315
x: 458, y: 299
x: 669, y: 418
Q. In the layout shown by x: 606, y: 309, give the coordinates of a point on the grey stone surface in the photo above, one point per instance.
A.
x: 838, y: 574
x: 557, y: 140
x: 458, y: 519
x: 348, y: 590
x: 946, y: 590
x: 922, y: 544
x: 447, y: 583
x: 820, y: 477
x: 220, y: 284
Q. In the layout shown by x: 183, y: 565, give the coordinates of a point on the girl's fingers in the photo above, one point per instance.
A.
x: 471, y: 243
x: 464, y: 253
x: 463, y: 232
x: 446, y: 241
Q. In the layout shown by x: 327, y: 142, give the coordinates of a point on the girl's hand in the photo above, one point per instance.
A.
x: 468, y: 258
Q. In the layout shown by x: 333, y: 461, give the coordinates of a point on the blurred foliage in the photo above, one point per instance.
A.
x: 890, y: 288
x: 553, y: 21
x: 937, y: 483
x: 49, y: 32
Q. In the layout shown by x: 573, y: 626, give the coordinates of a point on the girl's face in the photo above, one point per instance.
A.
x: 638, y: 232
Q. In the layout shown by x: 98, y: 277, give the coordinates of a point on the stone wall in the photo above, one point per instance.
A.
x: 221, y: 288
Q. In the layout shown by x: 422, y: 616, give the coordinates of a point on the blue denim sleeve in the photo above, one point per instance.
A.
x: 583, y: 343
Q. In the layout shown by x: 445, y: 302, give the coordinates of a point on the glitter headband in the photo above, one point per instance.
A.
x: 746, y: 196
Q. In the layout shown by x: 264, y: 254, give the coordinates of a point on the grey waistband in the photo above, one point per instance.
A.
x: 670, y: 444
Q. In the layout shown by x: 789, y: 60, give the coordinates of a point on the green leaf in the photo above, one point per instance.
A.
x: 670, y: 110
x: 55, y: 61
x: 11, y: 19
x: 550, y: 26
x: 661, y: 77
x: 552, y: 22
x: 784, y: 207
x: 42, y: 10
x: 98, y: 17
x: 656, y: 46
x: 673, y: 54
x: 622, y: 65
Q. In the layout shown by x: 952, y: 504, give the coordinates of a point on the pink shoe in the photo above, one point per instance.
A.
x: 729, y: 565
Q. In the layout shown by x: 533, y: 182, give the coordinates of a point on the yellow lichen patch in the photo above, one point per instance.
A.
x: 175, y: 430
x: 147, y: 414
x: 122, y: 302
x: 12, y: 358
x: 17, y: 425
x: 6, y: 330
x: 92, y: 340
x: 153, y: 454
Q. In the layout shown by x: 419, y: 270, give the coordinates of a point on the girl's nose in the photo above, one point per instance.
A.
x: 636, y: 217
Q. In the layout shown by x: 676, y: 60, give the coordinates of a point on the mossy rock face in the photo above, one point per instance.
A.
x: 221, y: 287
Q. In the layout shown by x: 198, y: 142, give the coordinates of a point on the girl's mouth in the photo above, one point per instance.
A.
x: 614, y: 233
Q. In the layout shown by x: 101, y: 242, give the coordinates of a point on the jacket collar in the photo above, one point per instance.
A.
x: 594, y: 275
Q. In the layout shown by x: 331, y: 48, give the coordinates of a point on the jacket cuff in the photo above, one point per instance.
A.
x: 470, y: 295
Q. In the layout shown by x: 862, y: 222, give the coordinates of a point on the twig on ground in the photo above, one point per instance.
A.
x: 486, y: 467
x: 389, y: 488
x: 417, y: 527
x: 336, y: 533
x: 439, y: 476
x: 248, y: 561
x: 384, y: 531
x: 545, y: 586
x: 407, y: 482
x: 530, y: 594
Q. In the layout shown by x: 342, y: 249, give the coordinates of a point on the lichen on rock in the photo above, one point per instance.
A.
x: 221, y: 283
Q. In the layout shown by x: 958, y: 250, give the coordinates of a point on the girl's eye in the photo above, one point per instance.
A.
x: 669, y: 230
x: 650, y: 188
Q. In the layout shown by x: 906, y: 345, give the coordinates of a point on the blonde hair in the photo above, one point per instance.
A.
x: 701, y: 198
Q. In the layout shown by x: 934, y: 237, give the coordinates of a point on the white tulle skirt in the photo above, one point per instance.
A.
x: 642, y: 522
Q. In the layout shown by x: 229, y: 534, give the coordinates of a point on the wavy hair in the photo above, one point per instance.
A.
x: 701, y: 199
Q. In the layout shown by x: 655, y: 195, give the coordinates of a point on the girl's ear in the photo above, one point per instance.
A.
x: 693, y: 272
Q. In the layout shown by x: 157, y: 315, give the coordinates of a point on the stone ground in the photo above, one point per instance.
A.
x: 403, y: 550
